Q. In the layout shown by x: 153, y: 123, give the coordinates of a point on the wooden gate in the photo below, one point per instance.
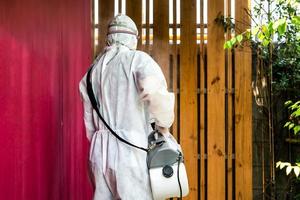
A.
x: 212, y: 86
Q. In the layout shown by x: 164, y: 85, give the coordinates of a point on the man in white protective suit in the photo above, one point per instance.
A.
x: 131, y: 92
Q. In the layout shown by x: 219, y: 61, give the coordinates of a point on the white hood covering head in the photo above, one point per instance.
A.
x: 122, y: 31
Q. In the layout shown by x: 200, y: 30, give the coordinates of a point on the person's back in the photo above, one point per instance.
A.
x: 131, y: 92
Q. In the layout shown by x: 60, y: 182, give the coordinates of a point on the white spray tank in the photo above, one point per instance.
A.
x: 167, y: 172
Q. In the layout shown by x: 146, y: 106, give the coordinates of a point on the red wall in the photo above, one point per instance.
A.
x: 45, y: 48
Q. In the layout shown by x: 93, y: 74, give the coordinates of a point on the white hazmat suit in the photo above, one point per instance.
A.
x: 131, y: 91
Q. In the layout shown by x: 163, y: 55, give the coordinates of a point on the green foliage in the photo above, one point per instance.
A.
x: 294, y: 119
x: 262, y: 34
x: 286, y: 63
x: 292, y: 124
x: 278, y: 31
x: 289, y: 167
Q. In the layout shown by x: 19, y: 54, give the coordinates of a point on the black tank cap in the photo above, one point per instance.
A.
x: 167, y: 171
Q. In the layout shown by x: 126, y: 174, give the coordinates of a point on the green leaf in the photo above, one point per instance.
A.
x: 265, y: 42
x: 288, y: 103
x: 248, y: 34
x: 284, y: 164
x: 255, y: 30
x: 275, y: 25
x: 260, y: 36
x: 297, y: 170
x: 296, y: 20
x: 288, y: 170
x: 278, y: 23
x: 270, y: 27
x: 239, y: 38
x: 291, y: 126
x: 233, y: 41
x: 296, y: 129
x: 286, y: 124
x: 282, y: 29
x: 227, y: 45
x: 265, y: 30
x: 294, y: 106
x: 278, y: 164
x: 296, y: 113
x: 298, y: 37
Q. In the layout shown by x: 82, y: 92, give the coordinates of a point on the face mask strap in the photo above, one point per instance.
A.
x: 123, y: 31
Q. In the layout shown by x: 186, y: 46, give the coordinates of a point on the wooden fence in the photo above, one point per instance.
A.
x: 212, y: 86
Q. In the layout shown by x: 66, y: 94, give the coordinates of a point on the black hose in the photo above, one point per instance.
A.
x: 178, y: 178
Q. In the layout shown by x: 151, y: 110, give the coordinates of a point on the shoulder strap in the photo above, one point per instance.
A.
x: 95, y: 107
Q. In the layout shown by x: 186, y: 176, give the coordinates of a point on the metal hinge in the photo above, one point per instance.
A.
x: 205, y: 156
x: 202, y: 91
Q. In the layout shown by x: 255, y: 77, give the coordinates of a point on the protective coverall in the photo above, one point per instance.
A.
x: 132, y: 92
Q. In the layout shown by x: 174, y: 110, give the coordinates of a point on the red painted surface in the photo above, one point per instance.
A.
x: 45, y: 48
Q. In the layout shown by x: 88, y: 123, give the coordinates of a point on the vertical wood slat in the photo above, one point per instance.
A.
x: 188, y: 93
x: 120, y: 6
x: 229, y: 116
x: 202, y: 106
x: 174, y: 50
x: 216, y: 103
x: 243, y: 110
x: 134, y: 11
x: 147, y: 45
x: 161, y: 36
x: 230, y: 129
x: 106, y: 13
